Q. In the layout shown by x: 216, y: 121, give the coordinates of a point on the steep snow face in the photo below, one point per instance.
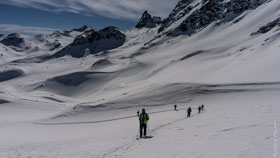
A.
x: 92, y: 42
x: 148, y: 21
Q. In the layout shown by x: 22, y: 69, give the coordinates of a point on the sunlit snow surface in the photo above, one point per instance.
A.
x: 86, y: 107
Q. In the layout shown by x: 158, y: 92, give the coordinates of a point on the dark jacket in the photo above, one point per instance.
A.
x: 143, y: 118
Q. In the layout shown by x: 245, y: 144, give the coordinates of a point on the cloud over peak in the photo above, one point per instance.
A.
x: 121, y: 9
x: 25, y: 29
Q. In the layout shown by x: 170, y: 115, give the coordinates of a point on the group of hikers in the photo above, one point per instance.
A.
x: 144, y: 118
x: 200, y: 108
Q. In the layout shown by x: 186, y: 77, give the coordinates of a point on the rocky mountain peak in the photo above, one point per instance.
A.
x: 149, y: 21
x: 68, y: 33
x: 59, y: 33
x: 82, y: 29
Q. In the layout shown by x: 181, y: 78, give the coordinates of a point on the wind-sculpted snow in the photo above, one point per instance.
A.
x: 10, y: 74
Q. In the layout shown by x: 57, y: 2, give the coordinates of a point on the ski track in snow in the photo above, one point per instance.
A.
x: 121, y: 150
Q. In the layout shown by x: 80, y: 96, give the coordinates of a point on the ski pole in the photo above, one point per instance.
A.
x: 137, y: 135
x: 148, y: 129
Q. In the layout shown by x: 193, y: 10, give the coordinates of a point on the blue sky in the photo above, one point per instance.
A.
x: 46, y: 16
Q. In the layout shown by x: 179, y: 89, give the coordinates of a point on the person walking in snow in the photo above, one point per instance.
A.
x: 189, y: 112
x: 199, y: 109
x: 138, y: 113
x: 143, y: 120
x: 202, y: 107
x: 175, y: 107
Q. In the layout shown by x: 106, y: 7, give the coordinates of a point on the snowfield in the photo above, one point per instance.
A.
x: 85, y: 106
x: 236, y: 123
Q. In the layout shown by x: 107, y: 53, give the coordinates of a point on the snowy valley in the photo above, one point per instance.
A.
x: 75, y: 93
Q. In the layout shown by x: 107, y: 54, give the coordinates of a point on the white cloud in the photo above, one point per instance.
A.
x: 126, y: 9
x: 25, y: 29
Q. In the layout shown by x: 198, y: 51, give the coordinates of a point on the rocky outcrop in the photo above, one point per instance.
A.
x: 92, y: 42
x: 200, y: 14
x: 182, y: 8
x: 269, y: 26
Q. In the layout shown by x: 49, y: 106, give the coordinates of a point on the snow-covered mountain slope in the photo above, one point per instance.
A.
x: 192, y: 15
x: 223, y: 54
x: 27, y: 46
x: 92, y: 42
x: 7, y: 54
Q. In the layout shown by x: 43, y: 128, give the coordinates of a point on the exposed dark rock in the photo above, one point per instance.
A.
x: 82, y: 29
x: 182, y: 8
x: 269, y: 26
x: 92, y: 42
x: 206, y: 12
x: 192, y: 54
x: 60, y: 33
x: 148, y: 21
x: 101, y: 63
